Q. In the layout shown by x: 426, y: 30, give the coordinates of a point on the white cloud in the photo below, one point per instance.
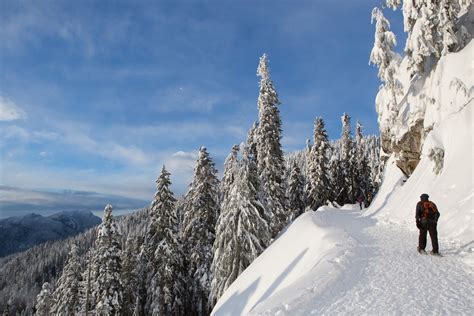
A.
x: 181, y: 166
x: 185, y: 155
x: 130, y: 154
x: 134, y: 183
x: 16, y: 133
x: 9, y: 111
x: 78, y: 136
x: 45, y: 135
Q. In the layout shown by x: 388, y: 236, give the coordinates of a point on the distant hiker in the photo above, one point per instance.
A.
x: 427, y: 215
x: 369, y: 199
x: 360, y: 200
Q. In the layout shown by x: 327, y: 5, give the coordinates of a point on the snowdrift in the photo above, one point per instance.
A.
x: 306, y: 254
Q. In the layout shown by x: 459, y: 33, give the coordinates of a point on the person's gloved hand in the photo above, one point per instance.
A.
x: 418, y: 223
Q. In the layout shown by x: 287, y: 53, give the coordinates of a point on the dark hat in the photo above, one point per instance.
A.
x: 424, y: 197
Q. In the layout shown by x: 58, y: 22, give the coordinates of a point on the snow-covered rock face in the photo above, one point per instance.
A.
x: 445, y: 173
x: 446, y: 87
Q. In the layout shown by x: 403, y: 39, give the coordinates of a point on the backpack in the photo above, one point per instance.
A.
x: 429, y: 210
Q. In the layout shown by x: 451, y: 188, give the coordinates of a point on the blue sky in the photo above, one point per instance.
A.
x: 98, y: 95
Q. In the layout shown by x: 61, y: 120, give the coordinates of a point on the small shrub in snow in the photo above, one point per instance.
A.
x: 437, y: 156
x: 459, y: 86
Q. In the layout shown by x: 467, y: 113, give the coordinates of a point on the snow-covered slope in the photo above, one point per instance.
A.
x: 340, y: 261
x: 291, y: 259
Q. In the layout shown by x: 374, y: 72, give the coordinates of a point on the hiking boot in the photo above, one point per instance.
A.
x: 422, y: 251
x: 434, y: 253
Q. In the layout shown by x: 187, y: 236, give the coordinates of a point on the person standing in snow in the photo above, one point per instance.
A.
x: 360, y: 200
x: 369, y: 199
x: 427, y: 215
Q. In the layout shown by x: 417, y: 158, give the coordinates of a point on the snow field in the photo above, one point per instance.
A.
x: 306, y: 247
x: 351, y: 264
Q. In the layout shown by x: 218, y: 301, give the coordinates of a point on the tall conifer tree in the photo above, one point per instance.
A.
x: 242, y: 232
x: 67, y: 288
x: 201, y: 210
x: 270, y: 161
x: 107, y: 288
x: 318, y: 167
x: 167, y: 280
x: 129, y: 276
x: 295, y: 191
x: 44, y: 300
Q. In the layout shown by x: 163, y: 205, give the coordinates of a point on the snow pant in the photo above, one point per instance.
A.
x: 431, y: 228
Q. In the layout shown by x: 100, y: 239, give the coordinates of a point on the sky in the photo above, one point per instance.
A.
x: 98, y: 95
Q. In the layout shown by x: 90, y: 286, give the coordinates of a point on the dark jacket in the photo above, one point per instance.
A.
x: 419, y: 212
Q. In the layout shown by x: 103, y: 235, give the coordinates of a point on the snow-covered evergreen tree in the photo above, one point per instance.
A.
x: 143, y: 270
x: 383, y: 55
x: 252, y: 141
x: 129, y: 275
x: 336, y: 176
x: 6, y: 311
x: 66, y: 294
x: 167, y: 281
x: 362, y: 170
x: 420, y: 24
x: 270, y: 161
x: 242, y: 232
x: 318, y: 165
x: 447, y: 15
x: 375, y: 166
x: 44, y: 300
x: 230, y: 170
x: 348, y: 193
x: 86, y: 298
x: 201, y: 211
x: 295, y: 192
x: 431, y: 28
x: 393, y: 4
x: 107, y: 289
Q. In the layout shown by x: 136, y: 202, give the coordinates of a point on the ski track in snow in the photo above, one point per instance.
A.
x: 384, y: 274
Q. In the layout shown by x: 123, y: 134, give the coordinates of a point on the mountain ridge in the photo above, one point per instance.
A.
x: 23, y: 232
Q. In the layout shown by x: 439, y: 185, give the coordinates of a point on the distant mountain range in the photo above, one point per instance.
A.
x: 19, y: 201
x: 23, y: 232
